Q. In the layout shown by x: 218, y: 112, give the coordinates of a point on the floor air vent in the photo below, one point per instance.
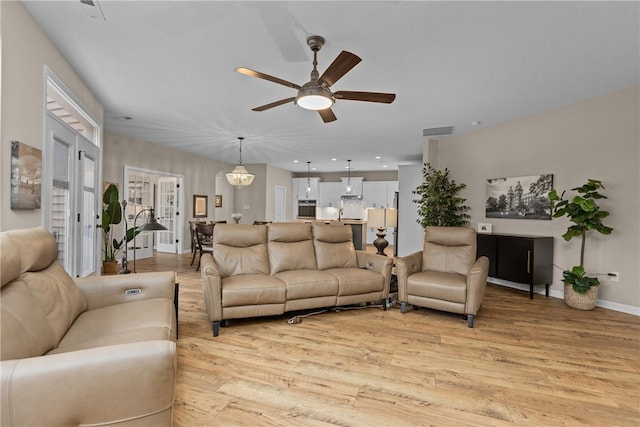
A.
x: 445, y: 130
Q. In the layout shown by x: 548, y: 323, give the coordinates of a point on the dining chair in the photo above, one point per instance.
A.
x: 204, y: 236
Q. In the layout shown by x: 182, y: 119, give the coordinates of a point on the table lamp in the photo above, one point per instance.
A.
x: 382, y: 218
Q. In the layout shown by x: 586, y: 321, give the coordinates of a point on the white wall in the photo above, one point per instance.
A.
x: 410, y: 234
x: 199, y: 173
x: 598, y: 138
x: 22, y: 97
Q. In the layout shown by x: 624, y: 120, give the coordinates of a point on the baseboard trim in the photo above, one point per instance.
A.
x: 623, y: 308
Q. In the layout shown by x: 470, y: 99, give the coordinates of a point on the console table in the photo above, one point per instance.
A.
x: 519, y: 258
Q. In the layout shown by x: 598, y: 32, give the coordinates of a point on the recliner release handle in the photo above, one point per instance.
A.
x: 136, y: 291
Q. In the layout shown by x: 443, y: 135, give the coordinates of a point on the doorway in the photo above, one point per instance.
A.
x: 70, y: 178
x: 161, y: 191
x: 280, y: 203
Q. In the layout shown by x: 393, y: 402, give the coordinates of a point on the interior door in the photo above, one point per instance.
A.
x: 73, y: 192
x: 88, y: 194
x: 280, y: 203
x: 167, y: 214
x: 139, y: 198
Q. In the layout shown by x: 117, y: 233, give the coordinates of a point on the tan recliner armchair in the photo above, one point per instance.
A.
x: 445, y: 275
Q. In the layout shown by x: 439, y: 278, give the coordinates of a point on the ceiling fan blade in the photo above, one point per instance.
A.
x: 327, y: 115
x: 339, y: 67
x: 274, y: 104
x: 258, y: 74
x: 386, y: 98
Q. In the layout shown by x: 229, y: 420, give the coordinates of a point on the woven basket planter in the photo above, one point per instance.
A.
x: 586, y: 301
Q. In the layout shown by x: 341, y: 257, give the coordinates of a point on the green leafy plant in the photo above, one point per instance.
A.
x: 439, y: 203
x: 586, y: 215
x: 112, y: 215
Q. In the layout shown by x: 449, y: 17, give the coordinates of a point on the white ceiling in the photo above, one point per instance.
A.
x: 170, y: 66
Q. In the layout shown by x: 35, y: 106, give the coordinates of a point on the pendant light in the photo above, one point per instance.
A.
x: 308, y: 179
x: 349, y: 190
x: 240, y: 176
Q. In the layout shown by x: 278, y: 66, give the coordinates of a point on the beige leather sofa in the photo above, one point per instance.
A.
x: 93, y: 351
x: 266, y: 270
x: 445, y: 275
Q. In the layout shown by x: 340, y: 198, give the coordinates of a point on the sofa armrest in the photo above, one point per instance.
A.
x: 90, y: 387
x: 476, y: 285
x: 211, y: 287
x: 102, y: 291
x: 379, y: 263
x: 405, y: 267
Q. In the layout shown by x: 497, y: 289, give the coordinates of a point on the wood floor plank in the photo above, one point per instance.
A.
x: 526, y: 363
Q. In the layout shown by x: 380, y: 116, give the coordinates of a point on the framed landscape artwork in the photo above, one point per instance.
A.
x: 524, y: 197
x: 26, y: 173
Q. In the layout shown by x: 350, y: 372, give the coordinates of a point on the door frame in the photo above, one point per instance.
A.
x: 82, y: 227
x: 179, y: 231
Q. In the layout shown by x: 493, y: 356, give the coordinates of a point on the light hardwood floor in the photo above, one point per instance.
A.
x: 526, y: 363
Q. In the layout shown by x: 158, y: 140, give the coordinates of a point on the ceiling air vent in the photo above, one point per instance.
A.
x: 445, y: 130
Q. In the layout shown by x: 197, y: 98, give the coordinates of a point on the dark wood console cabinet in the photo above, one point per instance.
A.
x: 518, y: 258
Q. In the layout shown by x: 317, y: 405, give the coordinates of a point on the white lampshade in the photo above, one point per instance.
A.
x: 391, y: 217
x: 375, y: 217
x: 314, y: 102
x: 312, y: 96
x: 382, y: 218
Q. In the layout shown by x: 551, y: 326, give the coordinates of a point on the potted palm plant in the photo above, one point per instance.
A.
x: 581, y: 291
x: 112, y: 215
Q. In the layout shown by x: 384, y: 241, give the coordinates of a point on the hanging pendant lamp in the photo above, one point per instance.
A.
x: 308, y: 179
x: 240, y: 176
x: 349, y: 190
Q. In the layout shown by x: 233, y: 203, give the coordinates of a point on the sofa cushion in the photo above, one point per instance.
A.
x: 252, y: 289
x: 240, y: 249
x: 438, y: 285
x: 334, y: 246
x: 39, y: 306
x: 57, y: 295
x: 290, y: 247
x: 449, y: 249
x: 142, y: 320
x: 354, y: 281
x: 24, y: 328
x: 308, y: 284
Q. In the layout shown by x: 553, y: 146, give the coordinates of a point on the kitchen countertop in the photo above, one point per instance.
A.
x: 342, y: 220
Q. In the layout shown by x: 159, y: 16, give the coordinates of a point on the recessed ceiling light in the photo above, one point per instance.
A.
x: 333, y: 159
x: 385, y: 166
x: 313, y: 169
x: 295, y: 161
x: 378, y: 157
x: 476, y: 123
x: 123, y: 118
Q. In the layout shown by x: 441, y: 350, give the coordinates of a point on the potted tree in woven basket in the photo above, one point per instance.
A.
x: 580, y: 290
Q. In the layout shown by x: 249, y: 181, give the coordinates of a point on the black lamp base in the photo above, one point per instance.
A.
x: 125, y: 267
x: 381, y: 243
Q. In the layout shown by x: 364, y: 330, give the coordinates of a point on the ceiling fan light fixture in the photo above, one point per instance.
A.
x: 240, y: 176
x: 314, y: 98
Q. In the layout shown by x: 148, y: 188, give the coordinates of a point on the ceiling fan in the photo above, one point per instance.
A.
x: 315, y: 94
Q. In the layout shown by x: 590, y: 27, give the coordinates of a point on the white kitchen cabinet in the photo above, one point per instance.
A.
x: 302, y: 192
x: 356, y: 185
x: 329, y: 195
x: 379, y: 194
